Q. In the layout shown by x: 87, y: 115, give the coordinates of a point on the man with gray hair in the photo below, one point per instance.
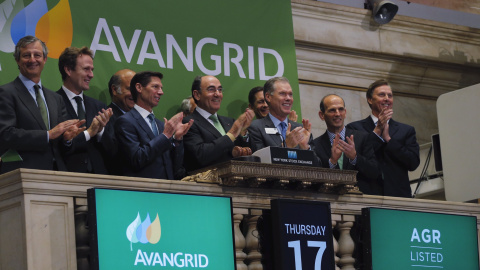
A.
x: 32, y: 117
x: 276, y: 129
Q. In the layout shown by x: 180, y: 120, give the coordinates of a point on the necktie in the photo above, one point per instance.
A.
x: 41, y: 105
x: 80, y: 110
x: 340, y: 162
x: 217, y: 124
x: 283, y: 129
x: 151, y: 117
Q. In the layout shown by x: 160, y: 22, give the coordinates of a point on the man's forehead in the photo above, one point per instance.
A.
x: 280, y: 85
x: 383, y: 88
x: 208, y: 81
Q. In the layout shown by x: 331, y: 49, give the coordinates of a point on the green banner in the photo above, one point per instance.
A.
x: 146, y: 230
x: 415, y: 240
x: 243, y: 43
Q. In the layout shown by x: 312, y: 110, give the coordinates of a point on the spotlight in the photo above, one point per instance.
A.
x: 382, y: 11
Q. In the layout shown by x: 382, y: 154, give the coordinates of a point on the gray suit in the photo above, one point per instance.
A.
x: 260, y: 139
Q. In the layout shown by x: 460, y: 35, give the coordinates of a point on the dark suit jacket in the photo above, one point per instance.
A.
x: 144, y: 154
x: 22, y: 128
x: 204, y: 145
x: 260, y: 139
x: 111, y: 158
x: 86, y: 157
x: 366, y: 164
x: 396, y: 157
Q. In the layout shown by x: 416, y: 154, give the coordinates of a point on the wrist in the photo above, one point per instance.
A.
x: 230, y: 135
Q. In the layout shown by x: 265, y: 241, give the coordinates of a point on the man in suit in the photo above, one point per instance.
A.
x: 211, y: 138
x: 85, y: 155
x: 257, y: 103
x: 276, y: 129
x: 32, y: 118
x: 149, y: 147
x: 119, y: 89
x: 122, y: 102
x: 395, y: 144
x: 345, y: 148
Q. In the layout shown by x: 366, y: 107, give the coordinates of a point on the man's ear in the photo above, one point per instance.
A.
x: 196, y: 95
x: 321, y: 115
x: 67, y: 70
x: 268, y: 97
x: 369, y: 100
x: 138, y: 86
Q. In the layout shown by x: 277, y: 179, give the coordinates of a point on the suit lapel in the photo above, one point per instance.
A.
x: 207, y: 125
x: 70, y: 110
x: 142, y: 123
x: 326, y: 145
x: 52, y: 107
x: 29, y: 102
x: 90, y: 111
x: 392, y: 127
x: 368, y: 124
x: 268, y: 123
x: 225, y: 124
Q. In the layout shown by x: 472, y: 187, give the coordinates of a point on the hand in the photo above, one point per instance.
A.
x: 383, y: 117
x: 348, y: 147
x: 74, y: 130
x: 385, y: 133
x: 307, y: 126
x: 61, y: 128
x: 182, y: 129
x: 103, y: 117
x: 243, y: 122
x: 99, y: 122
x: 336, y: 151
x: 171, y: 125
x: 292, y: 116
x: 294, y: 137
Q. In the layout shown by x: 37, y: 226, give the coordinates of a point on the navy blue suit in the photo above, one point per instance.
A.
x: 395, y: 158
x: 144, y: 154
x: 366, y: 164
x: 22, y: 128
x: 86, y: 156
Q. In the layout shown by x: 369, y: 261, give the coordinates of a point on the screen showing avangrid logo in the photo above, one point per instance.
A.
x: 186, y: 230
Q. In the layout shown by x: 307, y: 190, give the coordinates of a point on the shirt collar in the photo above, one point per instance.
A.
x: 204, y: 113
x: 331, y: 135
x: 144, y: 113
x: 28, y: 83
x: 375, y: 119
x: 70, y: 94
x: 276, y: 122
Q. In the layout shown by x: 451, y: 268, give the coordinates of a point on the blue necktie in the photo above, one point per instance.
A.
x: 151, y: 117
x: 283, y: 127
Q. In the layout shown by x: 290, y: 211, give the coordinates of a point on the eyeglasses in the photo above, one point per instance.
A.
x: 212, y: 90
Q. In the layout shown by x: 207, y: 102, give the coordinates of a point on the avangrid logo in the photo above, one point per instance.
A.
x: 54, y: 27
x: 144, y: 232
